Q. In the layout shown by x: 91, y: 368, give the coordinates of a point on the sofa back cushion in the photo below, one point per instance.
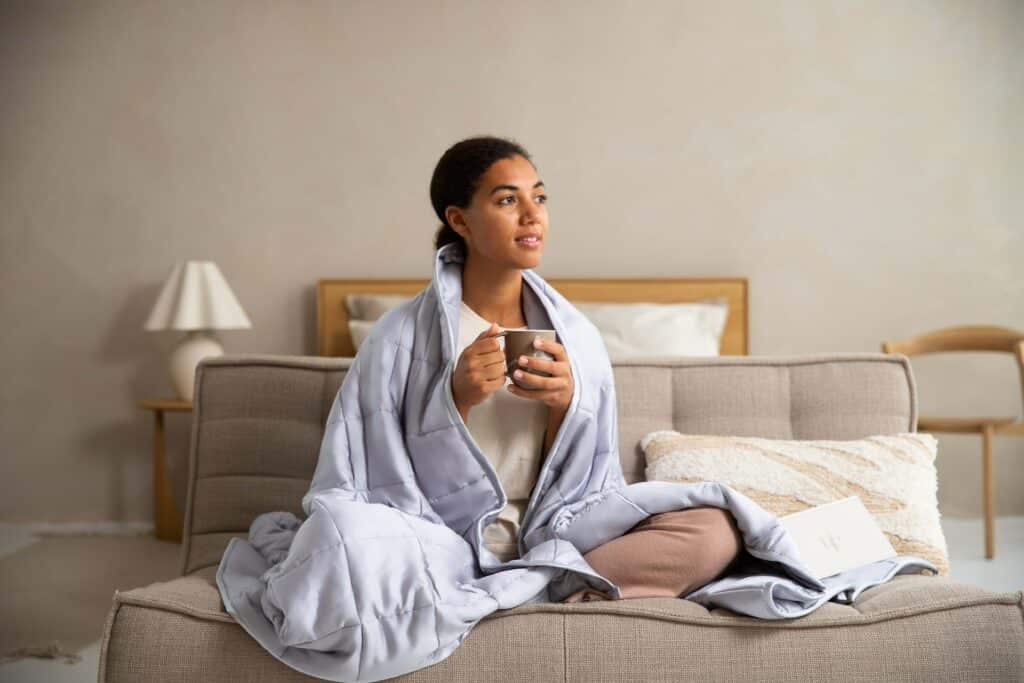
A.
x: 258, y: 420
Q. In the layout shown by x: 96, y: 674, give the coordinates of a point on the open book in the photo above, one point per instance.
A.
x: 837, y: 536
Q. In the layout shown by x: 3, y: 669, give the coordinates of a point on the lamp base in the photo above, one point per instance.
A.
x: 193, y: 347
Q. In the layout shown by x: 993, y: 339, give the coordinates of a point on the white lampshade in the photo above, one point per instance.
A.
x: 197, y: 297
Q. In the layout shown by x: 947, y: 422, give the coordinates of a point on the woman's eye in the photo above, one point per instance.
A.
x: 543, y: 198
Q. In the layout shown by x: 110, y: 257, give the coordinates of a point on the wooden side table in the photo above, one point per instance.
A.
x: 167, y: 520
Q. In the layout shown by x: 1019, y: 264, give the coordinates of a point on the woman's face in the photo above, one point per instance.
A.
x: 508, y: 206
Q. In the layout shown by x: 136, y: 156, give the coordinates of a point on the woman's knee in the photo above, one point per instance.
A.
x: 671, y: 553
x: 711, y: 538
x: 720, y: 543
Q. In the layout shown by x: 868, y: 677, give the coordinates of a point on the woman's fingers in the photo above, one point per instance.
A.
x: 552, y: 347
x: 485, y: 347
x: 488, y: 359
x: 538, y: 383
x: 543, y: 364
x: 491, y: 373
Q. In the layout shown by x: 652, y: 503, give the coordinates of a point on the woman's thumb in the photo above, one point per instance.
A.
x: 491, y: 329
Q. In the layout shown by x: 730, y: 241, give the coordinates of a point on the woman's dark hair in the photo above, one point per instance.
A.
x: 457, y: 176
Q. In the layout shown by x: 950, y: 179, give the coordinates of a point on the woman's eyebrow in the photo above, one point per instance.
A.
x: 539, y: 183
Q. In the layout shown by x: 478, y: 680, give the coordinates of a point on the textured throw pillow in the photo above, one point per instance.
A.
x: 894, y: 476
x: 372, y: 306
x: 648, y: 330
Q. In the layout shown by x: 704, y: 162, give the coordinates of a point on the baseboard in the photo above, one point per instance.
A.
x: 81, y: 528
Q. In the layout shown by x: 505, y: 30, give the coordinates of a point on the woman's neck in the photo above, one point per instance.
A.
x: 494, y: 294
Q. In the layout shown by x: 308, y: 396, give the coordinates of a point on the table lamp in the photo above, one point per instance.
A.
x: 196, y: 299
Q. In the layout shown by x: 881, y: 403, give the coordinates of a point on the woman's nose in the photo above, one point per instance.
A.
x: 528, y: 214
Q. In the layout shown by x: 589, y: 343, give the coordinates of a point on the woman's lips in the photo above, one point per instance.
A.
x: 529, y: 242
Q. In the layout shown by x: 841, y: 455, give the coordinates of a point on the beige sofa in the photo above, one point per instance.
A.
x: 255, y: 439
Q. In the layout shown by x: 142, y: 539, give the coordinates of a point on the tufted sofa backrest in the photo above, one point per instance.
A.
x: 258, y: 420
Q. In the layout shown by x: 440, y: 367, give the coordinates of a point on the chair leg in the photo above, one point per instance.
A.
x: 987, y: 491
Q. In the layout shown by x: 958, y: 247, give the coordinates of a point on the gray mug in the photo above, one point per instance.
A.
x: 520, y: 343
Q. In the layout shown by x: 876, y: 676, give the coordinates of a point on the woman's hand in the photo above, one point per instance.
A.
x: 555, y: 391
x: 480, y: 371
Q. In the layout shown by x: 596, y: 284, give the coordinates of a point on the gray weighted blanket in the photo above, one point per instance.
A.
x: 387, y: 573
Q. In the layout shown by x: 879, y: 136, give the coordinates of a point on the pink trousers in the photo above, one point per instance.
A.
x: 667, y: 555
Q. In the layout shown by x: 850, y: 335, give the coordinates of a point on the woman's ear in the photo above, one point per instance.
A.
x: 457, y: 220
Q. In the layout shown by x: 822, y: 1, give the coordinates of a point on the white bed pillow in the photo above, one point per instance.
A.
x: 358, y: 329
x: 372, y: 306
x: 646, y: 330
x: 629, y: 330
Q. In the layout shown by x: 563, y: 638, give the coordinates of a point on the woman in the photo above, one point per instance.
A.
x: 440, y: 497
x: 491, y: 201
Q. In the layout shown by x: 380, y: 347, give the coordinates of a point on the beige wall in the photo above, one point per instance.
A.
x: 861, y: 163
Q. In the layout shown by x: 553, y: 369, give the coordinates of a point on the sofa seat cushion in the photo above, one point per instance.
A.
x: 926, y: 625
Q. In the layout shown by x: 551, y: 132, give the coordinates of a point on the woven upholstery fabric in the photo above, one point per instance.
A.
x: 908, y: 643
x: 179, y: 631
x: 910, y: 628
x: 832, y: 397
x: 258, y: 423
x: 255, y: 441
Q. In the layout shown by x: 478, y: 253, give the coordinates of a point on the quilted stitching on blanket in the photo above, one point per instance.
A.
x: 387, y: 574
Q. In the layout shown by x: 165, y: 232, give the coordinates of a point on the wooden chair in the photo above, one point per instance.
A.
x: 971, y: 338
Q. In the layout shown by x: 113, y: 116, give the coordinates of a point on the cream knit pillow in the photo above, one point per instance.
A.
x: 894, y: 476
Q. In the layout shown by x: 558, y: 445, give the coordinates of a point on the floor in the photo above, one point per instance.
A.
x: 964, y: 537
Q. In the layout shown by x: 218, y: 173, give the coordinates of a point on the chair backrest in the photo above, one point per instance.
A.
x: 965, y: 338
x: 258, y: 421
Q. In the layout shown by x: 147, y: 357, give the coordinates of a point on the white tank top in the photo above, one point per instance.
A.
x: 510, y: 431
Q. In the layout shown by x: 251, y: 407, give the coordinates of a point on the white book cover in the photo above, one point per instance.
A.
x: 837, y: 536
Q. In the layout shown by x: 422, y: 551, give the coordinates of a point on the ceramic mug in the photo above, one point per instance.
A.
x: 520, y: 343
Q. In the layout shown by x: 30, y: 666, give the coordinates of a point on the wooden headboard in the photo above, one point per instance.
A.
x: 332, y: 316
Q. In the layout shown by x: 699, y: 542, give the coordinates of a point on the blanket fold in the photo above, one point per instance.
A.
x: 388, y: 573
